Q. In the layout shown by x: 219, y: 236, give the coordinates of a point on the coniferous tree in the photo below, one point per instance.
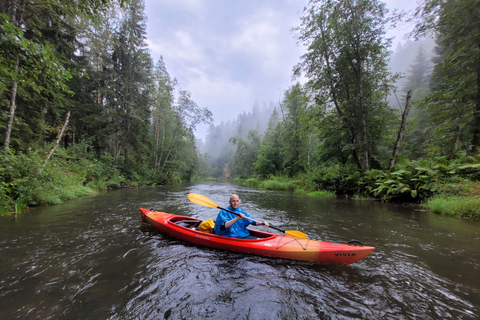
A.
x: 294, y: 107
x: 418, y: 74
x: 129, y: 100
x: 455, y: 99
x: 270, y: 154
x: 245, y: 154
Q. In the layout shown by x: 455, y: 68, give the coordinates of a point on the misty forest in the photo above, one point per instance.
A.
x: 84, y: 108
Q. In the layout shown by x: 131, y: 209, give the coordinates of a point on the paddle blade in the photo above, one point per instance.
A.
x: 201, y: 200
x: 296, y: 234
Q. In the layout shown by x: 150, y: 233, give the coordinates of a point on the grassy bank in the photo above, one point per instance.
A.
x: 459, y: 206
x: 462, y: 201
x: 297, y: 186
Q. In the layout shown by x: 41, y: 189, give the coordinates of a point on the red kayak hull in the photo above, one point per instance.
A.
x: 267, y: 244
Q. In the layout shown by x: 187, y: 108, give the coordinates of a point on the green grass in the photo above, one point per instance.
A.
x: 322, y: 193
x: 279, y: 185
x: 300, y: 191
x: 361, y: 197
x: 459, y: 206
x: 253, y: 183
x: 282, y: 183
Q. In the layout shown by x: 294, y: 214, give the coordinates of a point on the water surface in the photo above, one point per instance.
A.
x: 93, y: 259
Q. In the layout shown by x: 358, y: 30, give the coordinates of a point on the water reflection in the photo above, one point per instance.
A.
x: 92, y: 258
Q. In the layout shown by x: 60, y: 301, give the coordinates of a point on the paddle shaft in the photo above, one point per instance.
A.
x: 269, y: 225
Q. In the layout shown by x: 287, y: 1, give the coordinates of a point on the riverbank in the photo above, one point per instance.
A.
x: 450, y: 188
x: 463, y: 200
x: 29, y: 181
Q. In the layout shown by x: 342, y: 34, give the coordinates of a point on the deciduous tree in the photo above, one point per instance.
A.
x: 346, y: 67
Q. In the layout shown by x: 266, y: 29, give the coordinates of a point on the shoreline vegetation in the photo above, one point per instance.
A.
x: 438, y: 186
x: 465, y: 205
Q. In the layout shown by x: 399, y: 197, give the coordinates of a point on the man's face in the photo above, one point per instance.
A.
x: 234, y: 201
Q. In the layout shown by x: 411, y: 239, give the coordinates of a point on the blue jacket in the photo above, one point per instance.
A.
x: 236, y: 230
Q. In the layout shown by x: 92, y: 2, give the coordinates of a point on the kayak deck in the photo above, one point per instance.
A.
x: 266, y: 244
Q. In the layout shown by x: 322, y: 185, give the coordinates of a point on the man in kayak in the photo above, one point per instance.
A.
x: 233, y: 226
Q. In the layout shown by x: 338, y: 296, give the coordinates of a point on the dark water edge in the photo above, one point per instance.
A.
x: 93, y: 259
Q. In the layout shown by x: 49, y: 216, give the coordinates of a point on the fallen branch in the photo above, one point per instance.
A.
x: 396, y: 148
x: 57, y: 140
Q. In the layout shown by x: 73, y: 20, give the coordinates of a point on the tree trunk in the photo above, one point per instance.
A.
x: 16, y: 14
x: 57, y: 140
x: 476, y: 113
x: 396, y: 148
x: 11, y: 115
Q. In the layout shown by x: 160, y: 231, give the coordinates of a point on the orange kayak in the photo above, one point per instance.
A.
x: 267, y: 244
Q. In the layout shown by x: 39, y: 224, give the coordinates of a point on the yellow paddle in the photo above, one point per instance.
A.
x: 206, y: 202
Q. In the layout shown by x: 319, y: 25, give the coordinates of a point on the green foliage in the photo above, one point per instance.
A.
x: 38, y: 59
x: 346, y: 67
x: 270, y: 157
x: 335, y: 178
x: 418, y: 180
x: 454, y: 102
x: 62, y: 178
x: 245, y: 154
x: 102, y: 175
x: 293, y: 130
x: 132, y: 124
x: 129, y: 122
x: 300, y: 191
x: 253, y: 183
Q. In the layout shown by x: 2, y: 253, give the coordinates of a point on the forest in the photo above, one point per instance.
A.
x: 84, y: 108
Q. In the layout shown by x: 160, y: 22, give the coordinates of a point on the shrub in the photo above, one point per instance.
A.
x: 336, y: 178
x: 416, y: 180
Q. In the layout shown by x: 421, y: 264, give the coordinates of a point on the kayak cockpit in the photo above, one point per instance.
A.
x: 190, y: 224
x: 193, y: 224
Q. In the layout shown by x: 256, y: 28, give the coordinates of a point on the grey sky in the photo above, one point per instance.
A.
x: 230, y: 53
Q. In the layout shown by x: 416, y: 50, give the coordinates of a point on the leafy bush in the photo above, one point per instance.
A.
x: 336, y: 178
x: 28, y: 181
x: 418, y: 180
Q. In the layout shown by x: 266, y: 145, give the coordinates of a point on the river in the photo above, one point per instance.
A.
x: 93, y: 258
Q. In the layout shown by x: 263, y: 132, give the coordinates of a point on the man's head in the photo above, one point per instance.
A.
x: 234, y: 201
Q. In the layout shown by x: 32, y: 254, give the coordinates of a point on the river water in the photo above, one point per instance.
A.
x: 94, y: 259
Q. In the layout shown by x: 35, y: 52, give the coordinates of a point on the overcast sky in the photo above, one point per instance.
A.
x: 231, y: 54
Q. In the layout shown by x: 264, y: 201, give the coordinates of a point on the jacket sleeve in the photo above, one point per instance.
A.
x: 220, y: 221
